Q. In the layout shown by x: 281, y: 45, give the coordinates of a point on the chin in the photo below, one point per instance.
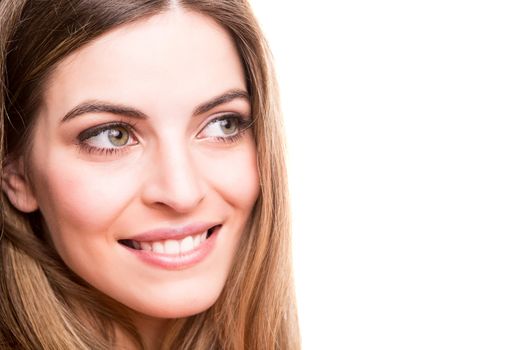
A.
x: 178, y: 305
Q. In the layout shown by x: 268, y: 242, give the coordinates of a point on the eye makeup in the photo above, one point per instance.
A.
x: 123, y: 130
x: 217, y: 130
x: 227, y: 120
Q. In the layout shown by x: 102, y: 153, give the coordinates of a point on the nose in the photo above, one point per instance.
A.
x: 173, y: 180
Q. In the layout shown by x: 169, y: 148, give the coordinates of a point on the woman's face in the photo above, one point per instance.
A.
x: 140, y: 152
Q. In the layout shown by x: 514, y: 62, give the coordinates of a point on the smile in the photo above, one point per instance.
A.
x: 170, y: 246
x: 173, y: 249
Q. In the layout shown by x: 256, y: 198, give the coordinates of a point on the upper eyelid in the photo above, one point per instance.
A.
x: 96, y: 130
x: 245, y: 122
x: 227, y: 115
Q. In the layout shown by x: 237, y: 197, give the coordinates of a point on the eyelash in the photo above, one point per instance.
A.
x: 97, y: 130
x: 243, y: 125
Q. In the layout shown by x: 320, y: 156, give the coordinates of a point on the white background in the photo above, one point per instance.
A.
x: 406, y: 132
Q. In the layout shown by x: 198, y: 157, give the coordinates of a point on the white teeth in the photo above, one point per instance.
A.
x: 186, y: 244
x: 196, y: 241
x: 171, y: 246
x: 157, y: 247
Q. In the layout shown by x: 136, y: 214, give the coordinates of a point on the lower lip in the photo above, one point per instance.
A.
x: 180, y: 261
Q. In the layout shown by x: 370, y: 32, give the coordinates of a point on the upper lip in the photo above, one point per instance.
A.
x: 177, y: 233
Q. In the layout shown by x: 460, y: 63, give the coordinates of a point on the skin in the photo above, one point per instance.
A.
x: 171, y: 173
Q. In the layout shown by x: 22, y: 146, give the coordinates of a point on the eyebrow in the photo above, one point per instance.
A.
x: 96, y: 106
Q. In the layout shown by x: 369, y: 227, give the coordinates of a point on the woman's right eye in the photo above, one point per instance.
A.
x: 107, y: 138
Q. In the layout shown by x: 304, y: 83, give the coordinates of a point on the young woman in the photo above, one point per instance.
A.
x: 144, y: 188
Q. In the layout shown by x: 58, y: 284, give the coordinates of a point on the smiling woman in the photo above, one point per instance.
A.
x: 144, y: 187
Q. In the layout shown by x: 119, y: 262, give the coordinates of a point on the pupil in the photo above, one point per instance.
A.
x: 118, y: 137
x: 228, y: 126
x: 117, y: 134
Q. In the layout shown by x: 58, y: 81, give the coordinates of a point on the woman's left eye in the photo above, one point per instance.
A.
x: 224, y: 128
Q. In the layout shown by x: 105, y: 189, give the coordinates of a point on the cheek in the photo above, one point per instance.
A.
x: 235, y: 176
x: 80, y: 196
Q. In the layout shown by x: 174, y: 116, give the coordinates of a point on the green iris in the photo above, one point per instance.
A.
x: 229, y: 126
x: 118, y: 136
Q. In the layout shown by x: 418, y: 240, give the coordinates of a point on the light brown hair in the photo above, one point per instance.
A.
x: 43, y: 305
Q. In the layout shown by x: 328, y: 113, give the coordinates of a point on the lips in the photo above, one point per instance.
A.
x: 171, y: 241
x: 174, y: 249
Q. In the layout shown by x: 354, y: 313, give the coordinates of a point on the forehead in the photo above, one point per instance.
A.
x: 175, y: 59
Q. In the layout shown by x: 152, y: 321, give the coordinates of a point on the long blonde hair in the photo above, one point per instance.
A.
x: 43, y: 305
